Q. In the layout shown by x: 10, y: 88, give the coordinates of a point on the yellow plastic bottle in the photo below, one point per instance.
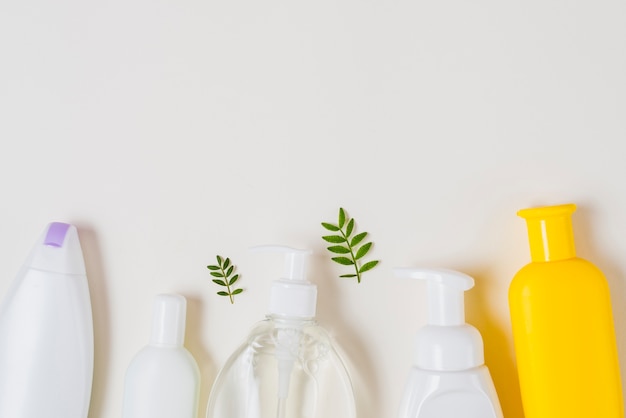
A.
x: 563, y: 326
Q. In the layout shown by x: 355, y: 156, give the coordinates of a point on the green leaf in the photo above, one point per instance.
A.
x: 343, y: 260
x: 338, y: 249
x: 363, y: 250
x: 368, y: 266
x: 335, y: 239
x: 358, y: 238
x: 330, y: 227
x: 223, y: 271
x: 350, y: 227
x: 351, y: 249
x: 342, y: 217
x: 233, y: 280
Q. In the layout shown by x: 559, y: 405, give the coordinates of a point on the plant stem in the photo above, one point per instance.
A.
x: 230, y: 294
x: 356, y: 268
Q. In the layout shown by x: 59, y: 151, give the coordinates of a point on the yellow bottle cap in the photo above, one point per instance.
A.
x: 550, y: 232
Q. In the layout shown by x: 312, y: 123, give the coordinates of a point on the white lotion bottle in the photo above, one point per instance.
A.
x: 46, y: 332
x: 449, y: 378
x: 288, y: 367
x: 163, y: 379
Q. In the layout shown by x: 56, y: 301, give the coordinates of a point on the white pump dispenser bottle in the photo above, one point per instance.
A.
x: 46, y: 332
x: 288, y: 367
x: 449, y: 378
x: 163, y: 379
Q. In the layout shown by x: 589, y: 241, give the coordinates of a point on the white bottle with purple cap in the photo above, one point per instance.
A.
x: 46, y: 332
x: 163, y: 379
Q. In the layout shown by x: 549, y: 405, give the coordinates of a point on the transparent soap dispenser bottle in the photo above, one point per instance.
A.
x: 288, y: 367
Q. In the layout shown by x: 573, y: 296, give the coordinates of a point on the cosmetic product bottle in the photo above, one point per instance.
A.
x: 163, y: 379
x: 288, y: 366
x: 563, y: 325
x: 449, y: 378
x: 46, y: 332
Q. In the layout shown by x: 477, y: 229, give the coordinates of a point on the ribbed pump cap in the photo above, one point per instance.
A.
x: 292, y: 296
x: 58, y: 250
x: 168, y: 320
x: 447, y: 343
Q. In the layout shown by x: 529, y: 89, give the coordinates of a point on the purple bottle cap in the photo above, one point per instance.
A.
x: 56, y: 234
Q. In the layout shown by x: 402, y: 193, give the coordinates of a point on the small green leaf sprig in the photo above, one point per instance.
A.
x: 224, y: 272
x: 349, y: 247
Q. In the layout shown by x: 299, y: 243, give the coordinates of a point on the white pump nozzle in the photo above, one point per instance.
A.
x: 295, y: 260
x: 446, y: 304
x: 447, y: 343
x: 292, y: 295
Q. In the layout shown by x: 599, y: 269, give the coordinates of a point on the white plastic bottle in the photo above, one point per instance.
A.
x: 288, y: 366
x: 46, y: 332
x: 449, y: 378
x: 163, y: 379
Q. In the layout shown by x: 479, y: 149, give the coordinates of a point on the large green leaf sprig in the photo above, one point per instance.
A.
x: 350, y: 248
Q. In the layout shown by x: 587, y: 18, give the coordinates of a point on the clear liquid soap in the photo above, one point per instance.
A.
x: 288, y: 367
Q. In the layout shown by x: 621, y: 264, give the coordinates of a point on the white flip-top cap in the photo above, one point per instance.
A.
x: 168, y: 320
x: 292, y: 295
x: 447, y: 343
x: 58, y: 251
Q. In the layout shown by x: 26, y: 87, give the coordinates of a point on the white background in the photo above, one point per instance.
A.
x: 171, y: 131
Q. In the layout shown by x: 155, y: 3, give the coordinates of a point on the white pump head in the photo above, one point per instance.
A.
x: 447, y: 342
x: 446, y: 305
x: 292, y: 295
